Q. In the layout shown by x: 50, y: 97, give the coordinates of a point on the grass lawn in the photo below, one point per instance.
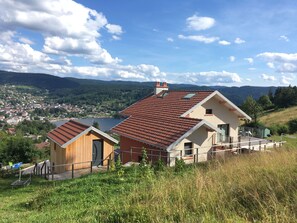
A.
x: 248, y: 188
x: 281, y: 116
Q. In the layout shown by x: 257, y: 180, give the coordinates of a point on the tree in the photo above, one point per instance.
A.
x: 252, y: 108
x: 18, y: 149
x: 265, y: 102
x: 96, y: 125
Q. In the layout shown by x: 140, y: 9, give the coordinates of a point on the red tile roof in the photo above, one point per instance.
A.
x: 67, y: 131
x: 156, y: 120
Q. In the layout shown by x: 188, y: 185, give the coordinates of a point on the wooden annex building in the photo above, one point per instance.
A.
x: 79, y: 144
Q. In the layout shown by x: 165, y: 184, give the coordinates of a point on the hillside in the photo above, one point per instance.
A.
x: 250, y: 188
x: 73, y: 90
x: 44, y: 81
x: 281, y: 116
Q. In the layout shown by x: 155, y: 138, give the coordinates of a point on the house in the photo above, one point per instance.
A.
x: 79, y: 144
x: 170, y: 124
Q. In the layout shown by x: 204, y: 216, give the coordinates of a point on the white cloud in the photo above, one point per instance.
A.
x: 281, y: 62
x: 239, y: 41
x: 68, y: 28
x: 25, y: 40
x: 286, y: 80
x: 232, y: 58
x: 200, y: 23
x: 199, y: 38
x: 169, y: 39
x: 248, y: 79
x: 114, y: 37
x: 285, y: 38
x: 270, y: 65
x: 114, y: 29
x: 252, y: 68
x: 249, y: 60
x: 224, y: 42
x: 268, y: 77
x: 207, y: 78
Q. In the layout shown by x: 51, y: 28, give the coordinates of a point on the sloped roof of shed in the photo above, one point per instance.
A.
x: 71, y: 130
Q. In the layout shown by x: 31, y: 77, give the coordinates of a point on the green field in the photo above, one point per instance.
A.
x: 281, y: 116
x: 249, y: 188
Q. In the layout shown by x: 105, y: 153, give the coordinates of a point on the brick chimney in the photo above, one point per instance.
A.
x: 160, y: 86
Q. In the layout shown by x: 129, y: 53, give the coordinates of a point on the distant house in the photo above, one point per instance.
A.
x: 79, y: 144
x: 173, y: 124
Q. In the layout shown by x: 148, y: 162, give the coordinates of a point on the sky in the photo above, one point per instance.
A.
x: 201, y: 42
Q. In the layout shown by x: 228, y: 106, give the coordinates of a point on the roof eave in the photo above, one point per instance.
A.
x: 208, y: 124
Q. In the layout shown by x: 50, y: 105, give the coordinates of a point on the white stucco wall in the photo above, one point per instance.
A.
x: 221, y: 115
x: 203, y: 138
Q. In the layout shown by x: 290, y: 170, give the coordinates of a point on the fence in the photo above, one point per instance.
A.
x: 205, y: 153
x: 51, y: 171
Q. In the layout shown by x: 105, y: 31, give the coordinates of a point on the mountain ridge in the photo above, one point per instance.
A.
x: 54, y: 83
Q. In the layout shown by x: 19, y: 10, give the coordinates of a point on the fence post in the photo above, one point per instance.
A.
x: 108, y: 164
x: 181, y: 154
x: 72, y: 171
x: 197, y: 155
x: 260, y: 145
x: 48, y: 172
x: 131, y: 154
x: 91, y: 170
x: 44, y: 170
x: 53, y: 170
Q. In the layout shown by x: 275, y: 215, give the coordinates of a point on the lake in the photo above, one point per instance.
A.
x: 105, y: 124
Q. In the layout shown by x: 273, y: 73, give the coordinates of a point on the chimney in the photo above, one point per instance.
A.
x: 160, y: 86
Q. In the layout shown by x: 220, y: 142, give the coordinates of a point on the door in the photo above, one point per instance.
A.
x: 223, y: 136
x: 97, y: 152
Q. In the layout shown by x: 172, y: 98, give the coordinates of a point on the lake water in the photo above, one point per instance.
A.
x: 105, y: 124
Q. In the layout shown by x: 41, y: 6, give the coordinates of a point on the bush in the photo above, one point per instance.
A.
x: 145, y: 167
x: 292, y: 126
x: 278, y: 129
x: 179, y: 165
x: 18, y: 149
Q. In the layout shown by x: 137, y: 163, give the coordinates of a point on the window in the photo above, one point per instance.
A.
x: 188, y: 147
x: 188, y: 96
x: 208, y: 111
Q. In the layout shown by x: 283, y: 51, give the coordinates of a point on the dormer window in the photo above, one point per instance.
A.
x: 208, y: 111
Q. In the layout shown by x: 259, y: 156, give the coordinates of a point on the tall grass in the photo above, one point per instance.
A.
x: 260, y: 187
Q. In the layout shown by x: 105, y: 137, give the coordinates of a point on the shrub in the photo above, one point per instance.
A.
x: 292, y: 126
x: 159, y: 165
x: 179, y: 165
x: 145, y: 167
x: 278, y: 129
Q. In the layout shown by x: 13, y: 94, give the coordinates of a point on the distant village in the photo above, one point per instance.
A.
x: 18, y: 104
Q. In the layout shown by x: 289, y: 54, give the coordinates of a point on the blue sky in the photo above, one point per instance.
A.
x: 214, y: 42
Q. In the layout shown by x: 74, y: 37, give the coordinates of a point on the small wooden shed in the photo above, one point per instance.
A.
x: 79, y: 144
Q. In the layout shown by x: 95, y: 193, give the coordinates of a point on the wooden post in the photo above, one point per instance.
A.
x: 131, y: 154
x: 264, y: 147
x: 197, y: 155
x: 91, y: 170
x: 53, y: 170
x: 260, y: 145
x: 108, y: 164
x: 48, y: 172
x: 239, y: 140
x: 250, y: 143
x: 72, y: 171
x: 181, y: 154
x: 44, y: 170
